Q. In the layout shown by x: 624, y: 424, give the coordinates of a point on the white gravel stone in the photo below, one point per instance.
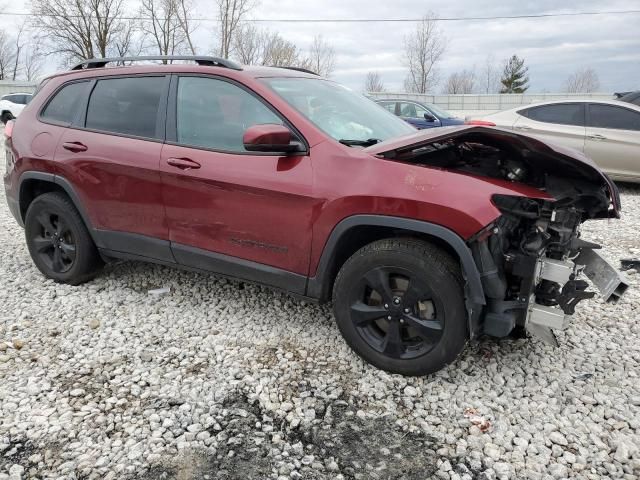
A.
x: 16, y: 471
x: 103, y: 381
x: 558, y: 438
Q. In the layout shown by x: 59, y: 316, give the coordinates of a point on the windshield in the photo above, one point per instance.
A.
x: 338, y: 111
x: 439, y: 112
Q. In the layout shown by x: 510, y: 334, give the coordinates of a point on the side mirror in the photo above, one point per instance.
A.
x: 429, y: 118
x: 270, y: 137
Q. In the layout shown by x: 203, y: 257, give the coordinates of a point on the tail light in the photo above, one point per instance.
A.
x: 482, y: 123
x: 8, y: 128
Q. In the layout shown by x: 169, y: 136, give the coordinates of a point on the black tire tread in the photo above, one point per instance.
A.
x: 93, y: 262
x: 415, y: 246
x: 439, y: 260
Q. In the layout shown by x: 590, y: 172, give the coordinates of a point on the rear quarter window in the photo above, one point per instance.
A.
x: 63, y: 106
x: 560, y: 114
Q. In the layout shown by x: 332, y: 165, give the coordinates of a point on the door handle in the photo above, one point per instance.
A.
x: 183, y: 163
x: 523, y: 127
x: 597, y: 136
x: 74, y: 147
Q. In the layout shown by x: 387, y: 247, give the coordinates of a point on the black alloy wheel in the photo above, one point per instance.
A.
x: 59, y: 242
x: 54, y: 242
x: 399, y: 304
x: 395, y: 313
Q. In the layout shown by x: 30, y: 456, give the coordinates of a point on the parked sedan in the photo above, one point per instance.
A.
x: 608, y: 131
x: 11, y: 105
x: 631, y: 97
x: 418, y: 114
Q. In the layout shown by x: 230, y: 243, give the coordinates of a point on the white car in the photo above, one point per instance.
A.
x: 608, y: 131
x: 12, y: 104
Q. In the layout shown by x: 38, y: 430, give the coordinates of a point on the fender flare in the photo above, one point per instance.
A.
x: 474, y: 292
x: 69, y: 190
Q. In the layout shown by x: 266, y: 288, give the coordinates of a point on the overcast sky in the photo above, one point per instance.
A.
x: 552, y: 47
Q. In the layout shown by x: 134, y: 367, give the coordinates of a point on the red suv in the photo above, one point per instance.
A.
x: 421, y: 239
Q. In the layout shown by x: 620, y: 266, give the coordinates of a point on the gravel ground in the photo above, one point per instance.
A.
x: 221, y: 379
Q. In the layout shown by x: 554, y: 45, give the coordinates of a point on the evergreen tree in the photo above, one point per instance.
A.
x: 514, y: 76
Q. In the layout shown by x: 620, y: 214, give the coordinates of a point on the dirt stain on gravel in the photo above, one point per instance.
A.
x: 358, y: 448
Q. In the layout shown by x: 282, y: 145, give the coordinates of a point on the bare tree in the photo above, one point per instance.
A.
x: 7, y: 55
x: 279, y: 52
x: 249, y: 44
x: 32, y: 59
x: 423, y: 50
x: 254, y: 46
x: 78, y: 29
x: 230, y: 14
x: 490, y: 78
x: 186, y: 24
x: 162, y: 24
x: 130, y: 41
x: 460, y: 82
x: 583, y: 80
x: 19, y: 44
x: 322, y: 56
x: 373, y: 82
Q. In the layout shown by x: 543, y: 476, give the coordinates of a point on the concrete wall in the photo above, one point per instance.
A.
x: 478, y: 105
x: 7, y: 86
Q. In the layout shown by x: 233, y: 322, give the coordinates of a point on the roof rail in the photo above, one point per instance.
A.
x: 204, y: 61
x: 299, y: 69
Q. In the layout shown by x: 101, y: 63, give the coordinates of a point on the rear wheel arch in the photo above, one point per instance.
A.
x: 33, y: 184
x: 356, y: 231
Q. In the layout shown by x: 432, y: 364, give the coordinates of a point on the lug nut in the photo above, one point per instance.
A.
x: 389, y: 317
x: 401, y: 320
x: 406, y: 310
x: 386, y: 305
x: 396, y: 300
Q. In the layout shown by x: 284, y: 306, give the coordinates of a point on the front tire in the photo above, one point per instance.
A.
x: 399, y: 304
x: 58, y: 240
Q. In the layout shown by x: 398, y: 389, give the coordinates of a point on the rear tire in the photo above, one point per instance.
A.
x: 6, y: 116
x: 58, y: 240
x: 399, y: 304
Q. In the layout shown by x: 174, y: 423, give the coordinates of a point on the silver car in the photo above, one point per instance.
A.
x: 608, y: 131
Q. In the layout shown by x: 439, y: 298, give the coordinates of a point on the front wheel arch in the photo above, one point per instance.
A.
x: 375, y: 227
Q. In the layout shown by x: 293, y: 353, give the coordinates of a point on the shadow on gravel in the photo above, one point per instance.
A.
x: 358, y: 448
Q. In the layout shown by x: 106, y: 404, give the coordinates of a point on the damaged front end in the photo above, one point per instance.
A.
x: 531, y: 257
x: 531, y: 260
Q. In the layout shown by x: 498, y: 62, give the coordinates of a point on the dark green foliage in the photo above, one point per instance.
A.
x: 514, y: 76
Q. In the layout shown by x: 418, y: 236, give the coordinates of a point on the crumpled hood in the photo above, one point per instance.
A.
x: 554, y: 158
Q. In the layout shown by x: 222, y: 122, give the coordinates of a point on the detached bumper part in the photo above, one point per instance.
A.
x: 611, y: 283
x: 541, y: 319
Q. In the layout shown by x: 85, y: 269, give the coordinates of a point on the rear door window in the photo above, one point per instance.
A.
x: 559, y: 113
x: 63, y: 106
x: 610, y: 116
x: 127, y: 106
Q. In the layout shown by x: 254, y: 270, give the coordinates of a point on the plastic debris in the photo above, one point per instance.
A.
x: 629, y: 263
x: 476, y: 419
x: 159, y: 291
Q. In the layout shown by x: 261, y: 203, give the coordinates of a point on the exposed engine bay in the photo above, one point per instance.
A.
x: 510, y: 158
x: 531, y: 258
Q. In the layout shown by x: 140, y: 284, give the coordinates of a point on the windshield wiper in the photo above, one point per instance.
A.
x: 360, y: 143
